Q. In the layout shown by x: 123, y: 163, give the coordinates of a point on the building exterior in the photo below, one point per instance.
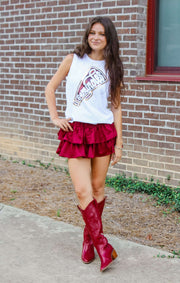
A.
x: 35, y: 37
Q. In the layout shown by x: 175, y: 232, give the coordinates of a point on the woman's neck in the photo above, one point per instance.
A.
x: 96, y: 55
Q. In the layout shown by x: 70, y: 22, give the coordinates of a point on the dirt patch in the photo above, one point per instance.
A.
x: 50, y: 193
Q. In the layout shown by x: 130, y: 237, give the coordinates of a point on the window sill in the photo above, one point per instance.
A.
x: 160, y: 78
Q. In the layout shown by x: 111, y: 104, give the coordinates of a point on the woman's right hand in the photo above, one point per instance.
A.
x: 63, y: 124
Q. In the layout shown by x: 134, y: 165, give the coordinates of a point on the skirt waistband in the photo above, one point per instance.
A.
x: 84, y: 133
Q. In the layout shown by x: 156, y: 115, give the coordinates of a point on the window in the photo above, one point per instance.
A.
x: 163, y: 40
x: 168, y: 35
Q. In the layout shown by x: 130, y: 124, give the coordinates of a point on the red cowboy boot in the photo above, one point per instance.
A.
x: 88, y: 254
x: 92, y: 219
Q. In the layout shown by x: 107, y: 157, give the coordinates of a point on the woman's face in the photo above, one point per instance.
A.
x: 96, y: 38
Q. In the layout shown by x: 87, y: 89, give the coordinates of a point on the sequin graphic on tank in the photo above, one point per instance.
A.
x: 94, y: 78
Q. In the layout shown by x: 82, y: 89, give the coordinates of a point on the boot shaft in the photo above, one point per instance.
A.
x: 93, y: 222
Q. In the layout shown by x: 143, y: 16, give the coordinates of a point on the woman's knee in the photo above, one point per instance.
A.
x: 98, y: 187
x: 82, y: 192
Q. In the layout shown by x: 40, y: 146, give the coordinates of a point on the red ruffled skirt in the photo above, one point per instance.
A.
x: 87, y: 140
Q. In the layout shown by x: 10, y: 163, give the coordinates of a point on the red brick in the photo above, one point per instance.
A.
x: 151, y: 101
x: 134, y: 114
x: 135, y: 128
x: 173, y: 139
x: 150, y: 130
x: 172, y: 167
x: 143, y: 94
x: 167, y: 117
x: 164, y: 131
x: 157, y: 137
x: 141, y: 135
x: 175, y: 125
x: 158, y: 109
x: 135, y: 100
x: 173, y: 110
x: 148, y: 143
x: 168, y: 87
x: 135, y: 2
x: 141, y: 122
x: 135, y: 141
x: 130, y: 52
x: 142, y: 108
x: 173, y: 95
x: 167, y: 102
x: 152, y: 87
x: 151, y: 115
x: 157, y: 123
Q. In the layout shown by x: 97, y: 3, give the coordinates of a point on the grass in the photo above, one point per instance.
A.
x: 13, y: 191
x: 38, y: 163
x: 58, y: 213
x: 163, y: 194
x: 174, y: 255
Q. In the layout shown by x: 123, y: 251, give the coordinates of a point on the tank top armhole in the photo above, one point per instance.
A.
x: 73, y: 62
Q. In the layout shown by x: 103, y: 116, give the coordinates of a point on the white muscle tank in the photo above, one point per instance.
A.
x: 87, y: 91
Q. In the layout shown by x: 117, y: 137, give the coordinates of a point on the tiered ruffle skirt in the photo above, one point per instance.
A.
x: 87, y: 140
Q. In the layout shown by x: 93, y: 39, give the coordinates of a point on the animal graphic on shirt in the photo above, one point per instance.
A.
x: 92, y: 80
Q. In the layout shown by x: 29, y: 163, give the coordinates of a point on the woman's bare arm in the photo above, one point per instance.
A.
x: 117, y: 112
x: 50, y: 93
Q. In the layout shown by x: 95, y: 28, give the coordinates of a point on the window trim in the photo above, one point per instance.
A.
x: 161, y: 73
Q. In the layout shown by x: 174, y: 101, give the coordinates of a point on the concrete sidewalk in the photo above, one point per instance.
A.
x: 37, y: 249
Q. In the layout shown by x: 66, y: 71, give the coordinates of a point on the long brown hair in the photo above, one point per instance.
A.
x: 111, y: 54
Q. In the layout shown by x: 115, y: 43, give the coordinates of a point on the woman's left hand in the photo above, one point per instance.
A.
x: 116, y: 156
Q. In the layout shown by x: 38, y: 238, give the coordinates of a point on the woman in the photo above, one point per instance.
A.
x: 91, y: 133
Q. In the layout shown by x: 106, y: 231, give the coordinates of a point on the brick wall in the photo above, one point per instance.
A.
x: 35, y: 37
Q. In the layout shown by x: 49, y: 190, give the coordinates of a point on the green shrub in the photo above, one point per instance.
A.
x: 163, y: 194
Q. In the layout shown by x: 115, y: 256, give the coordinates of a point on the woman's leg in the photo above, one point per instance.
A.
x: 80, y: 172
x: 88, y: 177
x: 99, y: 168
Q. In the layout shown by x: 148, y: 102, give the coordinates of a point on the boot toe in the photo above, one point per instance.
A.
x: 88, y: 253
